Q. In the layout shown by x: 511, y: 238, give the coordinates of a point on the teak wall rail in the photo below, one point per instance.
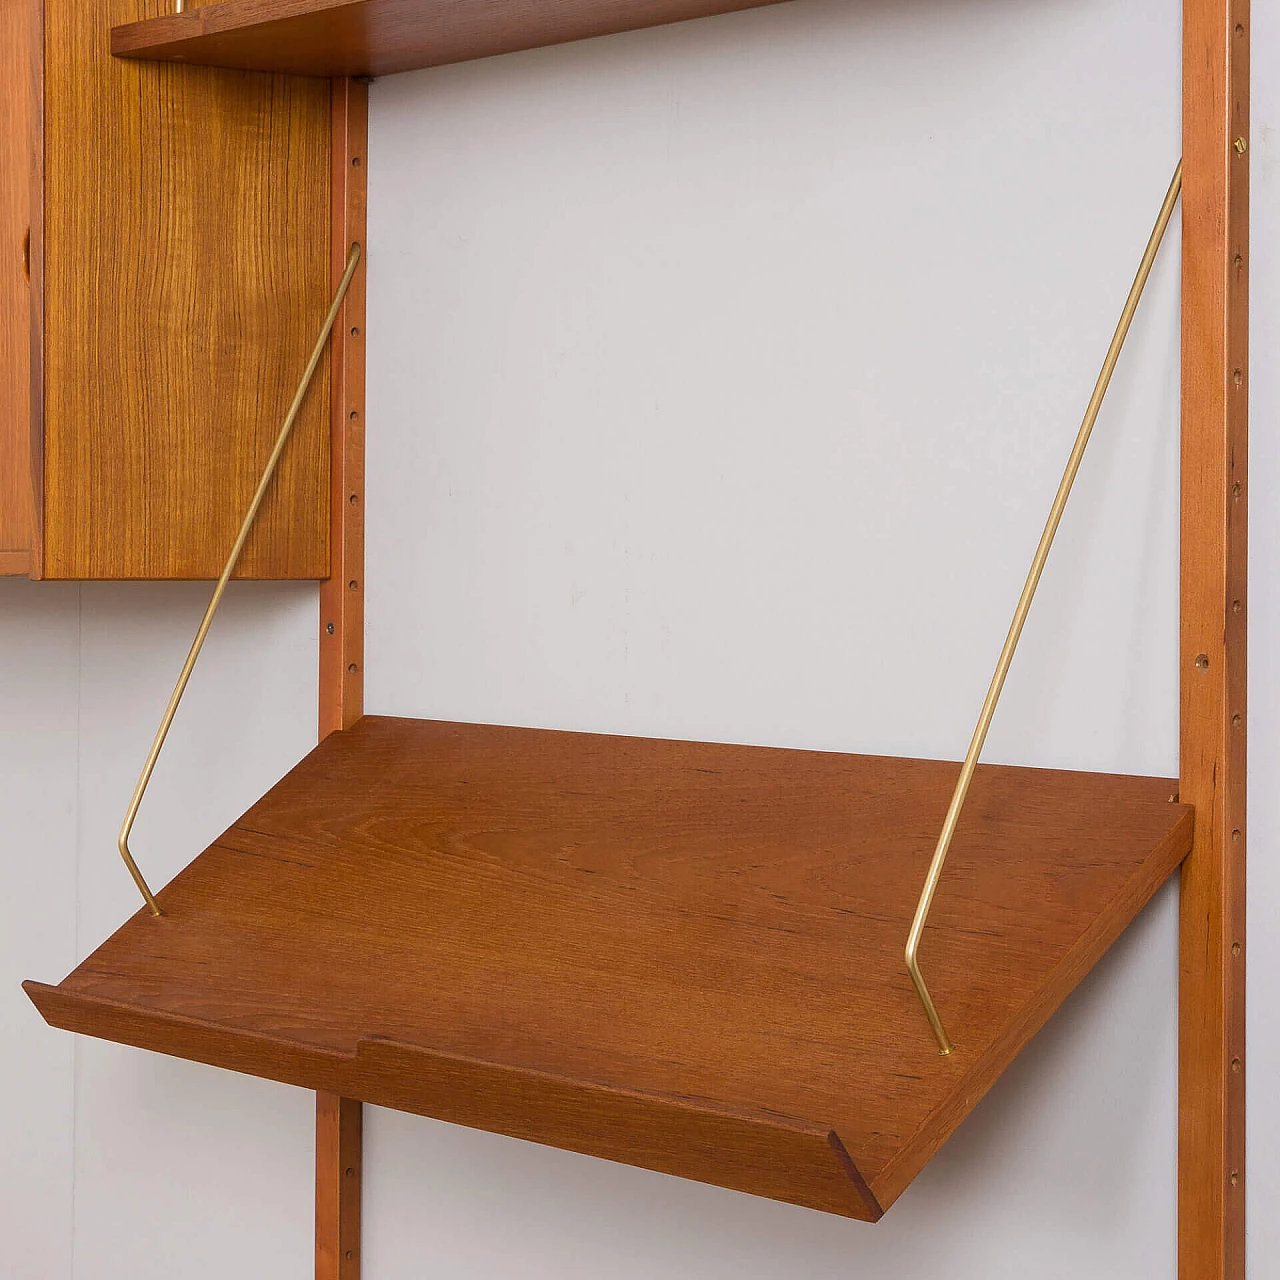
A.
x: 1214, y: 607
x: 162, y: 241
x: 339, y: 1128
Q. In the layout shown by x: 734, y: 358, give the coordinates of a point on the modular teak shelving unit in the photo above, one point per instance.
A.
x: 679, y: 955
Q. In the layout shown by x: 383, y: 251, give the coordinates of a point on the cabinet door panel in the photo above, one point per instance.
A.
x: 186, y: 272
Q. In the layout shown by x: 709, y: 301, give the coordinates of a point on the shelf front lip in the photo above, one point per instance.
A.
x: 779, y: 1157
x: 290, y: 35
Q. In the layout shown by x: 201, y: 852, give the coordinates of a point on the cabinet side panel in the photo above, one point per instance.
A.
x: 186, y: 275
x: 19, y: 130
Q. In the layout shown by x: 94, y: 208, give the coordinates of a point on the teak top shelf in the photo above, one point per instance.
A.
x: 679, y: 955
x: 379, y: 37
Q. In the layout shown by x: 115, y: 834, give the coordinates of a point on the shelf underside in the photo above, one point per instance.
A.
x: 379, y: 37
x: 679, y: 955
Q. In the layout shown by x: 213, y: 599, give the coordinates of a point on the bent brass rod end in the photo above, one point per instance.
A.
x: 227, y: 570
x: 1024, y: 606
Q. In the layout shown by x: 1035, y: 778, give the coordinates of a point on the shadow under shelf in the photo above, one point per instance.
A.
x: 683, y: 956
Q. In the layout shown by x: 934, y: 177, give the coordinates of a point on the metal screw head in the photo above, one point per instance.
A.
x: 329, y: 628
x: 1241, y: 146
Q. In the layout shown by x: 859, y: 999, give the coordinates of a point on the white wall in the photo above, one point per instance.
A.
x: 720, y: 377
x: 116, y: 1163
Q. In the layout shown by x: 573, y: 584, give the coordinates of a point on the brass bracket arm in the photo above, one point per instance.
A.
x: 1020, y: 615
x: 227, y: 570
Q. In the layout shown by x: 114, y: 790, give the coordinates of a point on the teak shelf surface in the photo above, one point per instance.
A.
x: 379, y: 37
x: 679, y: 955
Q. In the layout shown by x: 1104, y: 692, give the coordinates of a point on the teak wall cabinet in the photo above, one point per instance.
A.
x: 164, y: 263
x: 681, y: 955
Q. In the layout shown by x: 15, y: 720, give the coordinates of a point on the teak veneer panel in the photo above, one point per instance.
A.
x: 186, y: 274
x: 379, y: 37
x: 179, y: 251
x: 342, y: 596
x: 680, y: 955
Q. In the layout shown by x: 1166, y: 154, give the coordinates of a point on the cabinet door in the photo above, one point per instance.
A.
x: 182, y: 276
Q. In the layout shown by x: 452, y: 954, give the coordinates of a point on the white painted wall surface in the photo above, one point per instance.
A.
x: 116, y: 1163
x: 720, y: 377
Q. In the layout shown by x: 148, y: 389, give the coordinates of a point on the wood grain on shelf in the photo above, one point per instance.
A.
x: 342, y: 596
x: 339, y: 1177
x: 378, y: 37
x: 1214, y: 594
x: 19, y: 196
x: 186, y: 275
x: 679, y: 955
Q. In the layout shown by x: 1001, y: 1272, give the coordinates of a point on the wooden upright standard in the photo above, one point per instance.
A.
x: 521, y: 1046
x: 338, y: 1153
x: 1215, y: 493
x: 342, y: 596
x: 338, y: 1119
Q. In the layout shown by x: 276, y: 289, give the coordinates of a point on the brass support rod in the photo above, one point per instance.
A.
x: 227, y: 570
x: 1020, y: 614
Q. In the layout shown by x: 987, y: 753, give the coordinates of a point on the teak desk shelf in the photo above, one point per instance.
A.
x: 680, y: 955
